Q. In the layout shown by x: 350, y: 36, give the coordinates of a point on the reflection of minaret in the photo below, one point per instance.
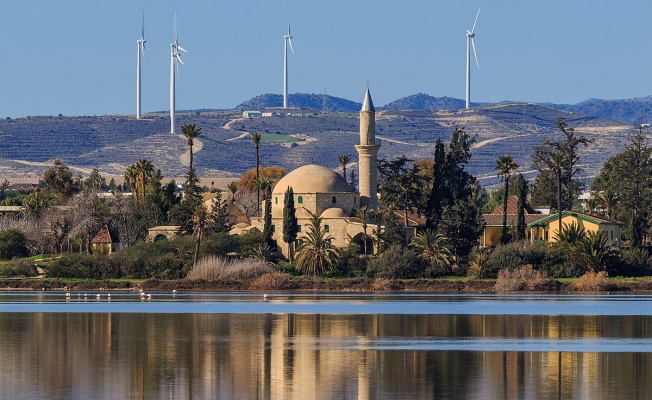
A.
x: 367, y: 154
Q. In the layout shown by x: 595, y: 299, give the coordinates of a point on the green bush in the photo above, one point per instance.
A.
x: 19, y: 268
x: 352, y: 263
x: 554, y: 260
x: 397, y: 262
x: 220, y: 244
x: 13, y: 244
x: 250, y: 241
x: 73, y: 265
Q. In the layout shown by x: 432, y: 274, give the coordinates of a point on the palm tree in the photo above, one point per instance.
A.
x: 478, y: 264
x: 343, y: 159
x: 201, y: 223
x: 315, y: 255
x: 434, y: 248
x: 505, y: 165
x: 232, y: 188
x: 362, y: 215
x: 570, y: 234
x: 190, y: 133
x: 137, y: 175
x: 592, y: 252
x: 608, y: 198
x: 256, y: 137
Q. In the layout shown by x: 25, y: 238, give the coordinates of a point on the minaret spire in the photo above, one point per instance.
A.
x: 367, y: 149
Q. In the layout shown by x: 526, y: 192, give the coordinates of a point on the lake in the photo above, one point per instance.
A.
x: 325, y: 346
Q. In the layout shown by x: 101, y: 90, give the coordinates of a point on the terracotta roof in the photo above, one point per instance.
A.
x: 103, y: 237
x: 512, y: 219
x: 512, y: 207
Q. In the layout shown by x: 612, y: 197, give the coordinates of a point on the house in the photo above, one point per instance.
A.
x: 548, y: 227
x: 494, y: 222
x: 104, y: 242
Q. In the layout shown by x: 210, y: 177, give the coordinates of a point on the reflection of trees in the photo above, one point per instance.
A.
x: 309, y: 356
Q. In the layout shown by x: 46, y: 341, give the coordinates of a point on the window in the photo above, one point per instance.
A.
x: 273, y: 228
x: 298, y: 228
x: 298, y: 243
x: 276, y: 200
x: 333, y: 199
x: 300, y: 200
x: 328, y: 228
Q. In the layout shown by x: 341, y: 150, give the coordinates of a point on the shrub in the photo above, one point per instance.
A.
x: 478, y: 264
x: 13, y: 244
x: 397, y: 262
x: 249, y: 241
x: 271, y: 281
x: 214, y: 268
x: 592, y: 282
x: 73, y: 265
x: 22, y: 268
x: 524, y: 278
x: 634, y: 262
x: 352, y: 263
x: 220, y: 244
x: 554, y: 260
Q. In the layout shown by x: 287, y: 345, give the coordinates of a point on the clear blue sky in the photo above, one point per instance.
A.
x: 78, y: 57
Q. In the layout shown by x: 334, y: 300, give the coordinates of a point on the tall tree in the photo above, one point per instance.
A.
x: 434, y: 248
x: 290, y: 222
x: 505, y: 165
x: 255, y: 138
x: 60, y: 180
x: 625, y: 186
x: 343, y: 159
x: 362, y: 216
x: 454, y: 205
x: 401, y: 185
x: 521, y: 193
x: 267, y: 222
x: 190, y: 133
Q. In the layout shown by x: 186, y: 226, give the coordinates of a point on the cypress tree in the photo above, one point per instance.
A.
x: 521, y: 193
x: 290, y: 223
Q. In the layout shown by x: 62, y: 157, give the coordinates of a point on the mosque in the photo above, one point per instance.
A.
x: 323, y: 192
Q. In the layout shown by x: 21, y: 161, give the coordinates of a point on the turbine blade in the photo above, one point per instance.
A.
x: 476, y: 20
x: 474, y: 53
x: 175, y: 27
x: 179, y: 59
x: 142, y: 31
x: 182, y: 49
x: 290, y: 41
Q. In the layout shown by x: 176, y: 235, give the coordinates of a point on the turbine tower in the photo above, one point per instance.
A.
x: 470, y: 42
x: 175, y: 59
x: 288, y: 40
x: 141, y: 51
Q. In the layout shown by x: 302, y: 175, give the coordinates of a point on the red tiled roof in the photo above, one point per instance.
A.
x: 512, y: 207
x: 512, y: 219
x: 104, y: 236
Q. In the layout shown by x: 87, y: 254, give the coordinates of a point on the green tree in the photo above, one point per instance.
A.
x: 343, y: 159
x: 95, y: 181
x: 401, y: 185
x: 290, y: 223
x: 190, y: 133
x: 625, y: 186
x: 505, y: 165
x: 521, y: 193
x: 59, y: 180
x: 434, y: 249
x: 593, y: 252
x: 256, y: 138
x: 267, y: 222
x: 136, y: 176
x: 570, y: 234
x: 362, y: 216
x: 454, y: 208
x: 315, y: 255
x: 13, y: 244
x: 232, y: 188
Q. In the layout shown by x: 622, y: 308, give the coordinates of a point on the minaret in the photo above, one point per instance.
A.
x: 367, y: 150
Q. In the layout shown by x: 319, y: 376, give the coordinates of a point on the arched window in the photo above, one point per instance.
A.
x: 298, y: 228
x: 300, y: 200
x: 273, y: 228
x: 333, y: 199
x: 327, y: 228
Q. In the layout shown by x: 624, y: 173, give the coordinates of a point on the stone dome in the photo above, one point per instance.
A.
x: 334, y: 212
x: 312, y: 179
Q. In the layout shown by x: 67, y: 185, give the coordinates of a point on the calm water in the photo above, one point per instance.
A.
x: 304, y: 346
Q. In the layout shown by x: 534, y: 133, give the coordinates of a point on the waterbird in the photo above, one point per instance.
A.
x: 109, y: 296
x: 67, y: 295
x: 98, y: 296
x: 266, y: 297
x: 149, y: 295
x: 174, y: 291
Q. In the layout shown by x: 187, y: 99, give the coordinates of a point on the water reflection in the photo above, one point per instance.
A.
x: 304, y: 356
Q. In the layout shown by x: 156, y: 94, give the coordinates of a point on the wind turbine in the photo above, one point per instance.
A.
x: 470, y: 43
x: 288, y: 40
x: 141, y: 51
x: 175, y: 59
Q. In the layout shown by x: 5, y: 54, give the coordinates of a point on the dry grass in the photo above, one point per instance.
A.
x: 524, y: 278
x: 271, y: 281
x: 592, y: 282
x: 215, y: 268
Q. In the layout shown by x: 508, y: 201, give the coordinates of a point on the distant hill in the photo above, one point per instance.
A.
x: 624, y: 110
x: 301, y: 100
x: 422, y: 101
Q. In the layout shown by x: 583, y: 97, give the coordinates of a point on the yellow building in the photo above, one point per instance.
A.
x: 548, y: 227
x: 493, y: 222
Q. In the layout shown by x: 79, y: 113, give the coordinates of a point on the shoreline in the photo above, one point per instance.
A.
x: 302, y: 284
